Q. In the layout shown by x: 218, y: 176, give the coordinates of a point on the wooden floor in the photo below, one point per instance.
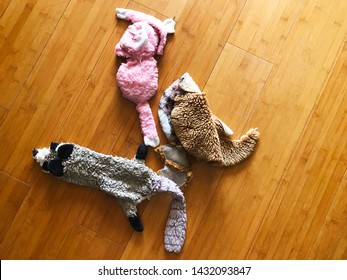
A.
x: 279, y: 65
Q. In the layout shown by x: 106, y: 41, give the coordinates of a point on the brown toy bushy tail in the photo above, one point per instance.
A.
x: 235, y: 151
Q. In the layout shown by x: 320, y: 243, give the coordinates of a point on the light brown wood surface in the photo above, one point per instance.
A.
x: 279, y: 65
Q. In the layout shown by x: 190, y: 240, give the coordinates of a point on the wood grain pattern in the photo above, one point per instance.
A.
x: 201, y: 34
x: 333, y: 231
x: 25, y: 28
x: 12, y: 194
x: 86, y: 244
x: 309, y: 186
x: 44, y: 220
x: 280, y: 66
x: 266, y: 25
x: 172, y: 9
x: 3, y: 113
x: 240, y: 85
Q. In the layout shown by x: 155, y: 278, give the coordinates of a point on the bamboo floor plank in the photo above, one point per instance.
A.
x: 25, y: 28
x: 306, y: 192
x: 267, y: 25
x: 172, y: 9
x: 44, y: 220
x: 12, y: 195
x: 87, y: 245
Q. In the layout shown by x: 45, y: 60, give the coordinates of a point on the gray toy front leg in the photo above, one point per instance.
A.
x: 128, y: 205
x: 141, y: 154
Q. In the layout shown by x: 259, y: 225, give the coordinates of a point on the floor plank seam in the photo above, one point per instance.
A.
x: 223, y: 46
x: 104, y: 237
x: 154, y: 11
x: 88, y: 229
x: 14, y: 178
x: 250, y: 53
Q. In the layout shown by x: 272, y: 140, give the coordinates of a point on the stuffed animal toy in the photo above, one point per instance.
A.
x: 130, y: 181
x: 138, y: 77
x: 176, y: 165
x: 187, y: 120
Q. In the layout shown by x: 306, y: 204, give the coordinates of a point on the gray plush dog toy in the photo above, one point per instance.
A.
x: 130, y: 181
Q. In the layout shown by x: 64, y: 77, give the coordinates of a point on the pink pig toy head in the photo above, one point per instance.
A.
x: 138, y: 77
x: 145, y: 37
x: 140, y: 41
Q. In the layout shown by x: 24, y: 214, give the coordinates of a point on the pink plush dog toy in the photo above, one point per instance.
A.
x: 138, y: 77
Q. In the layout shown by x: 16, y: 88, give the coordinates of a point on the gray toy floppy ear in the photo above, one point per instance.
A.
x: 64, y: 150
x: 45, y: 166
x: 55, y: 167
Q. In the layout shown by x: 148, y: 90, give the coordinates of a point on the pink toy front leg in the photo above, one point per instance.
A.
x: 147, y: 123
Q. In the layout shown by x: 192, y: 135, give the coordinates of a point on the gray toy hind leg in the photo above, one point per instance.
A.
x: 130, y: 211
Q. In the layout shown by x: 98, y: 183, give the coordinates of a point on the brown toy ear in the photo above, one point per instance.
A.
x: 64, y: 150
x: 55, y: 167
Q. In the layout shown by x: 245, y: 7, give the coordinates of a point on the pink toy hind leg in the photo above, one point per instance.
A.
x: 147, y: 123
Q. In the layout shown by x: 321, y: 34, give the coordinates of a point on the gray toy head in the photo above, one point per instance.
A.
x: 50, y: 159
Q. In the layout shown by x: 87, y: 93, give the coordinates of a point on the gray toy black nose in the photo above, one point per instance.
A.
x: 35, y: 152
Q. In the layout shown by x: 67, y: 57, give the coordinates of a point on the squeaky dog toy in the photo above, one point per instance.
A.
x: 138, y: 77
x: 187, y: 121
x: 130, y: 181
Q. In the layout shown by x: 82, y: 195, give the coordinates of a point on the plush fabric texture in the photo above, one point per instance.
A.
x: 187, y: 120
x: 175, y: 229
x: 138, y: 77
x: 182, y: 85
x: 147, y: 124
x: 164, y: 111
x: 176, y: 166
x: 138, y: 81
x: 130, y: 181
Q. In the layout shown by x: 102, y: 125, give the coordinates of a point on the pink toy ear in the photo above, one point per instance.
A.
x: 168, y: 27
x: 162, y: 28
x: 162, y: 41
